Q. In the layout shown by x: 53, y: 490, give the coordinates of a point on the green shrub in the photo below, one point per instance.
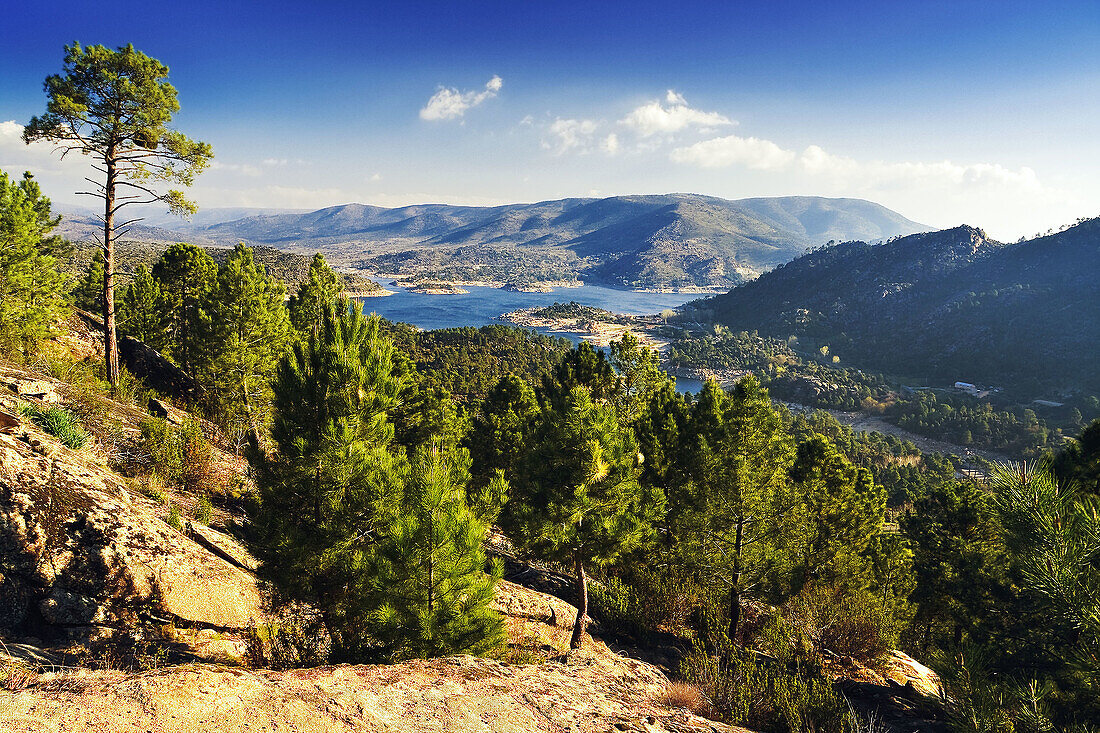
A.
x: 780, y: 690
x: 650, y: 601
x: 181, y: 456
x: 204, y: 511
x: 58, y: 422
x: 174, y: 520
x: 846, y: 622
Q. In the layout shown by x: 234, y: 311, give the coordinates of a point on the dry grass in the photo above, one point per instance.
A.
x: 687, y: 696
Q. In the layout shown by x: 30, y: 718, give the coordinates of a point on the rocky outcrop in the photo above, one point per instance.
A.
x: 591, y: 691
x: 80, y: 551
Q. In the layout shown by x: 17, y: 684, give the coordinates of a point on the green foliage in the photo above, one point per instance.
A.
x: 87, y: 294
x: 843, y: 621
x: 243, y: 325
x: 186, y: 275
x: 739, y: 496
x: 958, y: 562
x: 333, y: 479
x: 639, y: 376
x: 469, y: 362
x: 143, y: 312
x: 777, y: 692
x: 501, y: 427
x: 181, y: 456
x: 321, y: 285
x: 429, y: 567
x: 1079, y: 461
x: 204, y: 511
x: 30, y: 284
x: 841, y: 513
x: 58, y: 422
x: 116, y: 105
x: 576, y: 498
x: 174, y: 518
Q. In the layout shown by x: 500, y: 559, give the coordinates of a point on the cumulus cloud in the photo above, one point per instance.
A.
x: 722, y: 152
x: 570, y: 134
x: 610, y: 144
x: 448, y: 103
x: 655, y: 118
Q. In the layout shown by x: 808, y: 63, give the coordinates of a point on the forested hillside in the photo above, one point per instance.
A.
x: 945, y: 306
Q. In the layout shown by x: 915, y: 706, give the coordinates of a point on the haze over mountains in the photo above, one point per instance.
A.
x: 650, y: 241
x: 951, y: 304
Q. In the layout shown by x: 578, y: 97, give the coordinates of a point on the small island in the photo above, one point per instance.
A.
x: 595, y: 325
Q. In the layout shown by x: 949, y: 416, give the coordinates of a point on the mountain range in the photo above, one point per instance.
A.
x: 649, y: 241
x: 951, y: 304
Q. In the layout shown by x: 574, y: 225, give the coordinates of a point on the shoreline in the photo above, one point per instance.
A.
x: 409, y: 281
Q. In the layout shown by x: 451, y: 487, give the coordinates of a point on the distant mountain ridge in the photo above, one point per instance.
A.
x: 666, y: 240
x: 951, y: 304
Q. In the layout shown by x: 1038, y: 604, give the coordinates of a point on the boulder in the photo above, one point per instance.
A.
x: 80, y: 549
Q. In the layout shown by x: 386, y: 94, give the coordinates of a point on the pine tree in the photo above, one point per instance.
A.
x: 88, y: 292
x: 186, y: 274
x: 842, y: 511
x: 322, y: 285
x: 30, y: 284
x: 501, y: 427
x: 639, y: 375
x: 738, y: 455
x: 244, y: 326
x: 577, y: 499
x: 958, y: 560
x: 333, y: 480
x: 144, y: 310
x: 430, y: 566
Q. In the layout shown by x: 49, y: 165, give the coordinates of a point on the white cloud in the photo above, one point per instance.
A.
x: 653, y: 118
x: 448, y: 103
x: 274, y: 162
x: 375, y: 177
x: 244, y: 169
x: 610, y: 144
x: 885, y: 175
x: 569, y: 134
x: 722, y: 152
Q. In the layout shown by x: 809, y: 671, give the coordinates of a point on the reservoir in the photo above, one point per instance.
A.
x: 483, y: 305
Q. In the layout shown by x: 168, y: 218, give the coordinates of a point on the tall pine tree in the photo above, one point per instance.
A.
x: 186, y: 274
x: 738, y: 455
x: 577, y: 499
x: 143, y: 312
x: 322, y: 285
x: 332, y: 481
x: 429, y: 574
x: 30, y: 284
x: 244, y: 326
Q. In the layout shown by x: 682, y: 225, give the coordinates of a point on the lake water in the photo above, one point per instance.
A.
x: 482, y: 306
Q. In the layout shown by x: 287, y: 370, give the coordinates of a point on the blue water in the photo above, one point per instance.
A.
x: 482, y: 306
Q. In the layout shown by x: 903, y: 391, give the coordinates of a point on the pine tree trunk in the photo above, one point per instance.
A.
x: 110, y: 335
x: 735, y: 585
x: 582, y: 603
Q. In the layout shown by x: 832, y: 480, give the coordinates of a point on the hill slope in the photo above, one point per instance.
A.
x: 950, y: 304
x: 673, y: 240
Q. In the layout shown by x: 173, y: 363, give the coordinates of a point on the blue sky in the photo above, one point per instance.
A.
x: 949, y: 112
